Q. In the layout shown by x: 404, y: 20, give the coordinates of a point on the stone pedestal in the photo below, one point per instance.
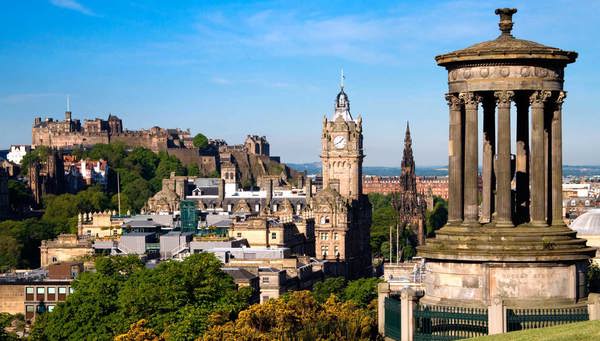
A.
x: 525, y: 265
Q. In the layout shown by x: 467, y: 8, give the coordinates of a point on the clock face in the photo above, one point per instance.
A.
x: 339, y: 142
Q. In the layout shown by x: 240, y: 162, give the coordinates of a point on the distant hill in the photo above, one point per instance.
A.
x: 313, y: 168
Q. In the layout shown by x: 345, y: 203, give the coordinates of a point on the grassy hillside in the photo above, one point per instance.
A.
x: 581, y: 331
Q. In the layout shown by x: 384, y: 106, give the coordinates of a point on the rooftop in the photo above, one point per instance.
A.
x: 507, y: 47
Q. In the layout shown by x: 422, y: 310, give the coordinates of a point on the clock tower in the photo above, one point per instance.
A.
x: 342, y: 212
x: 342, y: 150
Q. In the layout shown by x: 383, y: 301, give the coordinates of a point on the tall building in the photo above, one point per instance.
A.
x: 409, y: 203
x: 342, y: 212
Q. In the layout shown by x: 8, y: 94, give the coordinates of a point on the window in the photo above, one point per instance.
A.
x: 29, y: 293
x: 335, y: 236
x: 274, y: 235
x: 587, y: 203
x: 30, y: 309
x: 41, y: 290
x: 41, y: 308
x: 52, y: 290
x: 324, y: 220
x: 54, y: 260
x: 70, y: 290
x: 324, y: 235
x: 257, y: 208
x: 573, y: 203
x: 50, y: 308
x: 62, y: 290
x: 324, y: 250
x: 239, y: 235
x: 336, y: 250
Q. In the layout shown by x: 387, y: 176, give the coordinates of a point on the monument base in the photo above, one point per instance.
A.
x: 525, y: 266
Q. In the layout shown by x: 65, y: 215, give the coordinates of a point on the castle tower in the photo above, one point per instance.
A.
x: 342, y: 150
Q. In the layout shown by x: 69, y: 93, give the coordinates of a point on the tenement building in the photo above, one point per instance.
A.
x: 342, y: 212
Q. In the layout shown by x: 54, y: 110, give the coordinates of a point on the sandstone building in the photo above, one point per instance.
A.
x: 341, y: 211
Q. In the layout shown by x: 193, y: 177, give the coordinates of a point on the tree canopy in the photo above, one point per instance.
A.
x: 176, y: 300
x: 200, y: 141
x: 299, y: 316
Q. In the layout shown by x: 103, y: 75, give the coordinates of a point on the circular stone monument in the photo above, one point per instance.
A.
x: 514, y: 245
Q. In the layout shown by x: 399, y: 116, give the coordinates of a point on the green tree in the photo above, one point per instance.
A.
x: 10, y: 250
x: 137, y: 193
x: 193, y: 170
x: 361, y: 291
x: 330, y: 286
x: 5, y: 321
x: 200, y: 141
x: 36, y: 155
x: 437, y: 217
x: 19, y: 196
x: 177, y: 299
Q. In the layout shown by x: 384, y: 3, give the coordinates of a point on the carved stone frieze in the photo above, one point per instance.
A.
x: 483, y: 77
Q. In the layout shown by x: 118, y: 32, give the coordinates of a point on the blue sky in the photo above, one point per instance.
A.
x: 227, y: 69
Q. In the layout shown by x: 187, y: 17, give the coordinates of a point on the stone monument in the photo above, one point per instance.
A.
x: 515, y: 246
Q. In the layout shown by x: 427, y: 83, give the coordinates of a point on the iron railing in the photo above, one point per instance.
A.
x: 520, y: 319
x: 442, y: 323
x: 392, y: 318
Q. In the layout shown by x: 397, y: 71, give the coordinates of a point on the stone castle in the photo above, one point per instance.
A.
x: 72, y: 132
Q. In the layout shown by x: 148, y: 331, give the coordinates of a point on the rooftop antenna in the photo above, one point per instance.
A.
x: 342, y: 79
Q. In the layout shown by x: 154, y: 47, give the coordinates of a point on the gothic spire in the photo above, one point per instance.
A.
x: 408, y: 177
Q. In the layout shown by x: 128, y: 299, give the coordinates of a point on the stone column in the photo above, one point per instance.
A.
x: 489, y: 149
x: 522, y: 162
x: 538, y: 178
x: 408, y: 300
x: 503, y: 174
x: 455, y: 161
x: 383, y: 291
x: 594, y: 306
x: 496, y: 317
x: 471, y: 208
x: 556, y: 133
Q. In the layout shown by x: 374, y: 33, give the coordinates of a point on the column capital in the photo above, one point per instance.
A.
x: 470, y: 99
x: 560, y: 98
x: 538, y: 98
x: 453, y: 101
x: 504, y: 97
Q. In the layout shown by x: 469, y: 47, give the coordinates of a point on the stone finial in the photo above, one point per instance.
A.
x: 506, y: 23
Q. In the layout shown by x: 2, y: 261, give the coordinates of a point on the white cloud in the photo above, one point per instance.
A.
x: 73, y: 5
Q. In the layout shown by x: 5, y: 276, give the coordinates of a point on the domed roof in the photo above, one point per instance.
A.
x: 587, y: 223
x: 507, y: 47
